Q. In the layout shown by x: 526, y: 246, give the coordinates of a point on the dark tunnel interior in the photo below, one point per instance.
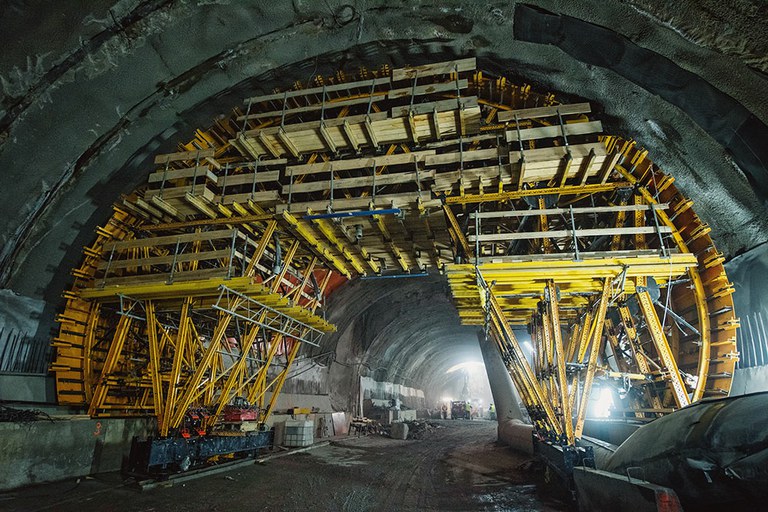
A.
x: 91, y: 92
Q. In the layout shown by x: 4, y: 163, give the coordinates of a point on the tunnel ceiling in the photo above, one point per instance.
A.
x: 85, y: 109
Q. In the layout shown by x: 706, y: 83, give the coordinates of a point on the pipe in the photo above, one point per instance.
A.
x: 712, y: 453
x: 365, y: 213
x: 278, y: 265
x: 394, y: 276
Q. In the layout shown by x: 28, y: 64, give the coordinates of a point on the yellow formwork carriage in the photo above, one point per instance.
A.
x: 204, y: 283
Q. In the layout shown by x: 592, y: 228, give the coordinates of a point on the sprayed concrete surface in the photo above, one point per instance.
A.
x: 457, y: 467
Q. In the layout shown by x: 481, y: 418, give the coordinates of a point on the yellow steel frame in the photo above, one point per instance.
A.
x: 197, y: 355
x: 184, y: 366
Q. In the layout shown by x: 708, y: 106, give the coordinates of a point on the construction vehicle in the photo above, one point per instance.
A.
x: 459, y: 410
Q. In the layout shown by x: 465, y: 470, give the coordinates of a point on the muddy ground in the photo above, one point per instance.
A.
x: 456, y: 467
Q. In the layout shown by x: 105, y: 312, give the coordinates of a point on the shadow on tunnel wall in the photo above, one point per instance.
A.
x: 740, y: 132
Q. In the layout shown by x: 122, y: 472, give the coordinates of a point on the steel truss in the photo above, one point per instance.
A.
x: 253, y: 311
x: 536, y: 218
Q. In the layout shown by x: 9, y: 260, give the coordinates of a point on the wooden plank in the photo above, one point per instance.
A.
x: 546, y: 132
x: 532, y: 235
x: 586, y: 169
x: 177, y: 192
x: 314, y: 125
x: 589, y: 255
x: 184, y: 155
x: 608, y: 166
x: 580, y: 210
x: 506, y: 116
x: 329, y: 105
x: 439, y: 68
x: 187, y: 172
x: 473, y: 177
x: 466, y: 140
x: 421, y: 90
x: 353, y: 139
x: 363, y: 181
x: 466, y: 156
x: 535, y: 170
x: 208, y: 273
x: 266, y: 196
x: 248, y: 178
x: 409, y: 199
x: 164, y: 240
x: 555, y: 154
x: 362, y: 84
x: 164, y: 260
x: 358, y: 163
x: 467, y: 102
x: 384, y: 131
x: 247, y: 147
x: 165, y: 206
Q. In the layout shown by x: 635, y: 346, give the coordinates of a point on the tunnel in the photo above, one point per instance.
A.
x: 226, y: 225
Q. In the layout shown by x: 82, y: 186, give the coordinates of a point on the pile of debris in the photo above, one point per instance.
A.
x: 360, y: 425
x: 419, y: 429
x: 13, y: 415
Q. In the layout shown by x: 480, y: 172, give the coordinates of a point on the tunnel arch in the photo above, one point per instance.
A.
x: 115, y: 53
x: 178, y: 203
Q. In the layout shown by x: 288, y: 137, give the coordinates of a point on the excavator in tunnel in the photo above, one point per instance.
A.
x: 199, y: 292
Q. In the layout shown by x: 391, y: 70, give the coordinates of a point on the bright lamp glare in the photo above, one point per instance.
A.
x: 604, y: 404
x: 468, y: 365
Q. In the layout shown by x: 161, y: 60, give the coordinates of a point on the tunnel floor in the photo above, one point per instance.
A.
x: 456, y: 467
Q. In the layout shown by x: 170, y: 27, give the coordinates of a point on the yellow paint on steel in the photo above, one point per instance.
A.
x: 323, y: 250
x: 594, y: 352
x: 662, y: 346
x: 698, y: 288
x: 554, y: 317
x: 517, y: 194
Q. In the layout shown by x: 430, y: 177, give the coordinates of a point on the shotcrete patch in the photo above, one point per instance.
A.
x: 454, y: 23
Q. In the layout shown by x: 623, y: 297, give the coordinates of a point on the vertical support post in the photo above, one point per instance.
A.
x: 261, y: 247
x: 173, y: 264
x: 182, y: 340
x: 330, y: 203
x: 165, y: 173
x: 520, y: 179
x: 577, y: 257
x: 231, y: 254
x: 110, y: 362
x: 505, y: 334
x: 109, y: 264
x: 253, y: 184
x: 477, y: 235
x: 194, y: 172
x: 205, y: 366
x: 154, y: 360
x: 546, y: 243
x: 596, y: 348
x: 224, y: 183
x: 554, y: 315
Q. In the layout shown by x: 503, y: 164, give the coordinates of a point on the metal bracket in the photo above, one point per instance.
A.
x: 250, y: 310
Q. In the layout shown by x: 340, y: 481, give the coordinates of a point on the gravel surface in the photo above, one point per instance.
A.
x: 457, y: 467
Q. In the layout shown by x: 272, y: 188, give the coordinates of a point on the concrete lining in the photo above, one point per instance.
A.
x: 46, y: 451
